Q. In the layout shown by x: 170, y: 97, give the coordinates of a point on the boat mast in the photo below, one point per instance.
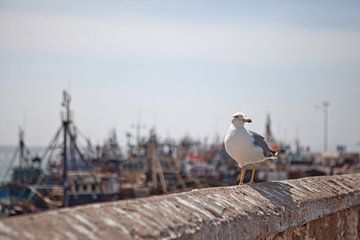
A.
x: 66, y: 123
x: 21, y: 147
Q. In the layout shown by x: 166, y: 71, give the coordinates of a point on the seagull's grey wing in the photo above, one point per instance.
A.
x: 259, y: 141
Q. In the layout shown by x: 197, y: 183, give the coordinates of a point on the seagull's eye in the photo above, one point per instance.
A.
x: 236, y: 116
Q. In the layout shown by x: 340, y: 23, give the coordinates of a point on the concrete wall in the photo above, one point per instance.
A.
x: 309, y: 208
x: 343, y: 224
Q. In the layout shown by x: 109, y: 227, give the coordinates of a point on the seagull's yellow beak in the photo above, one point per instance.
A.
x: 247, y: 120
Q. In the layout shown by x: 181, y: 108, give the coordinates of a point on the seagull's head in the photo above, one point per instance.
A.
x: 239, y: 119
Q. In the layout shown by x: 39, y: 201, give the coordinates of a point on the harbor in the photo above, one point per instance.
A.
x: 67, y: 174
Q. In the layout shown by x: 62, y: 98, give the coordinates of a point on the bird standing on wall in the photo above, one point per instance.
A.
x: 246, y: 147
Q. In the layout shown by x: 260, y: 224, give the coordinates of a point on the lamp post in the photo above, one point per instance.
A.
x: 324, y: 106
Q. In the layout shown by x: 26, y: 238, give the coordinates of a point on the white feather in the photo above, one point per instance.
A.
x: 239, y: 144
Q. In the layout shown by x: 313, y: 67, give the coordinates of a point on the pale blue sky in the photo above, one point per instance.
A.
x: 186, y: 65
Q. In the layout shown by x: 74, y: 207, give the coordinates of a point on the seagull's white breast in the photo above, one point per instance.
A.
x: 239, y: 145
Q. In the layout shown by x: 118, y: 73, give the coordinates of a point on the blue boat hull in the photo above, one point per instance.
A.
x: 80, y: 199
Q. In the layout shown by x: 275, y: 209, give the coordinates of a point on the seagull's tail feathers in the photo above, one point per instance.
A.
x: 273, y: 156
x: 274, y: 153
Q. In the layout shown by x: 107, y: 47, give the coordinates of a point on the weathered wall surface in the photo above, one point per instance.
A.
x: 309, y: 208
x: 340, y: 225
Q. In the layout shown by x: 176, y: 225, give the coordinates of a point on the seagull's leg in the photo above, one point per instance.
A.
x: 242, y: 174
x: 252, y: 174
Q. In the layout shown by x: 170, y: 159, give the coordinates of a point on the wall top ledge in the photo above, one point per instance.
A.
x: 237, y: 212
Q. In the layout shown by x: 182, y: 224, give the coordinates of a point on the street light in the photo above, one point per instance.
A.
x: 325, y: 105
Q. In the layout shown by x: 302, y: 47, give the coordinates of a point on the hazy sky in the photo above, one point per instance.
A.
x: 184, y: 66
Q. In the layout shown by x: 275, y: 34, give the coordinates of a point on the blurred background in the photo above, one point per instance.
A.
x: 106, y: 100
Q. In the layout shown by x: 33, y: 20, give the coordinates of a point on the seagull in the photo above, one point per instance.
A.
x: 246, y: 147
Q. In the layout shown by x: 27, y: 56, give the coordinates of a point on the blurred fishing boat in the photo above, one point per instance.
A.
x: 67, y: 174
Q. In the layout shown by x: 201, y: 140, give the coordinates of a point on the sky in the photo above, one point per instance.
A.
x: 183, y: 67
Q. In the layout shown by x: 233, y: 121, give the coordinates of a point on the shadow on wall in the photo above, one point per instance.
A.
x: 276, y: 192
